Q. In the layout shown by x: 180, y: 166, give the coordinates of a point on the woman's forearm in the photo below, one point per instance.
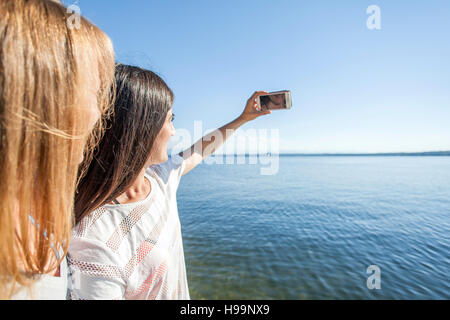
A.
x: 209, y: 143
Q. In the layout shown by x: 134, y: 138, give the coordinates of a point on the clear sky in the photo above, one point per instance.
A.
x: 353, y: 89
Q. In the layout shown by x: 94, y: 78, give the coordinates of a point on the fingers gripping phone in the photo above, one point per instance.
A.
x: 278, y: 100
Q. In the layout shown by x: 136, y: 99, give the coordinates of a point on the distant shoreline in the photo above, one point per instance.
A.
x: 396, y: 154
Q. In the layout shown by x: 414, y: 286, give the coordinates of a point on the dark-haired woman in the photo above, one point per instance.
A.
x: 127, y: 242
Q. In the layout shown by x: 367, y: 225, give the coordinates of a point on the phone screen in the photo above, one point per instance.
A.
x: 273, y: 102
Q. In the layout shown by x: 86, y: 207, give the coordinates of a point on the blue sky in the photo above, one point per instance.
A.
x: 353, y: 89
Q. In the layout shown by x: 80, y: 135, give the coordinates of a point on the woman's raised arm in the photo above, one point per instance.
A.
x: 208, y: 144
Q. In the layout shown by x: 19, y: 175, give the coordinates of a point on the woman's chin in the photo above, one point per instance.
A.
x: 164, y: 158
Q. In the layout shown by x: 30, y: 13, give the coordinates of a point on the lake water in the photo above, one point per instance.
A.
x: 312, y: 230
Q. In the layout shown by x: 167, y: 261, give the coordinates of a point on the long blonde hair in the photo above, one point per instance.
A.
x: 44, y: 65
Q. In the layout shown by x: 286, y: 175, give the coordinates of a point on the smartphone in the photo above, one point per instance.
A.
x: 278, y: 100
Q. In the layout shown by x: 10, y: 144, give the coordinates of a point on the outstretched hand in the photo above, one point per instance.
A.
x: 251, y: 111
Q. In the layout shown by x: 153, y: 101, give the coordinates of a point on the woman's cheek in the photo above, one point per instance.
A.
x: 94, y: 116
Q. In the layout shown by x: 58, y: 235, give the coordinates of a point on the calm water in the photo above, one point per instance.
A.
x: 311, y: 231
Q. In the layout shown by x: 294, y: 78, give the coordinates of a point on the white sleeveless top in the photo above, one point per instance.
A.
x: 135, y: 250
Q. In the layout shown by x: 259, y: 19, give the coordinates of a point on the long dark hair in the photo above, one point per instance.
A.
x: 142, y: 102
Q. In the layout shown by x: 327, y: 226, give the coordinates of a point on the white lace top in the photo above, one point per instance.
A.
x: 135, y: 250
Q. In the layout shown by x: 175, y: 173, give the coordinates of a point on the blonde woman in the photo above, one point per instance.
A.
x: 55, y: 80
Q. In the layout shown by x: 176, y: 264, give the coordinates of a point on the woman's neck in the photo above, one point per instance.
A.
x: 138, y: 191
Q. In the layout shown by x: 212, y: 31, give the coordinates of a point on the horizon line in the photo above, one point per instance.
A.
x: 424, y: 153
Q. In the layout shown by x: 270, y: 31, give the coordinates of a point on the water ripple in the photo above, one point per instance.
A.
x: 311, y: 231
